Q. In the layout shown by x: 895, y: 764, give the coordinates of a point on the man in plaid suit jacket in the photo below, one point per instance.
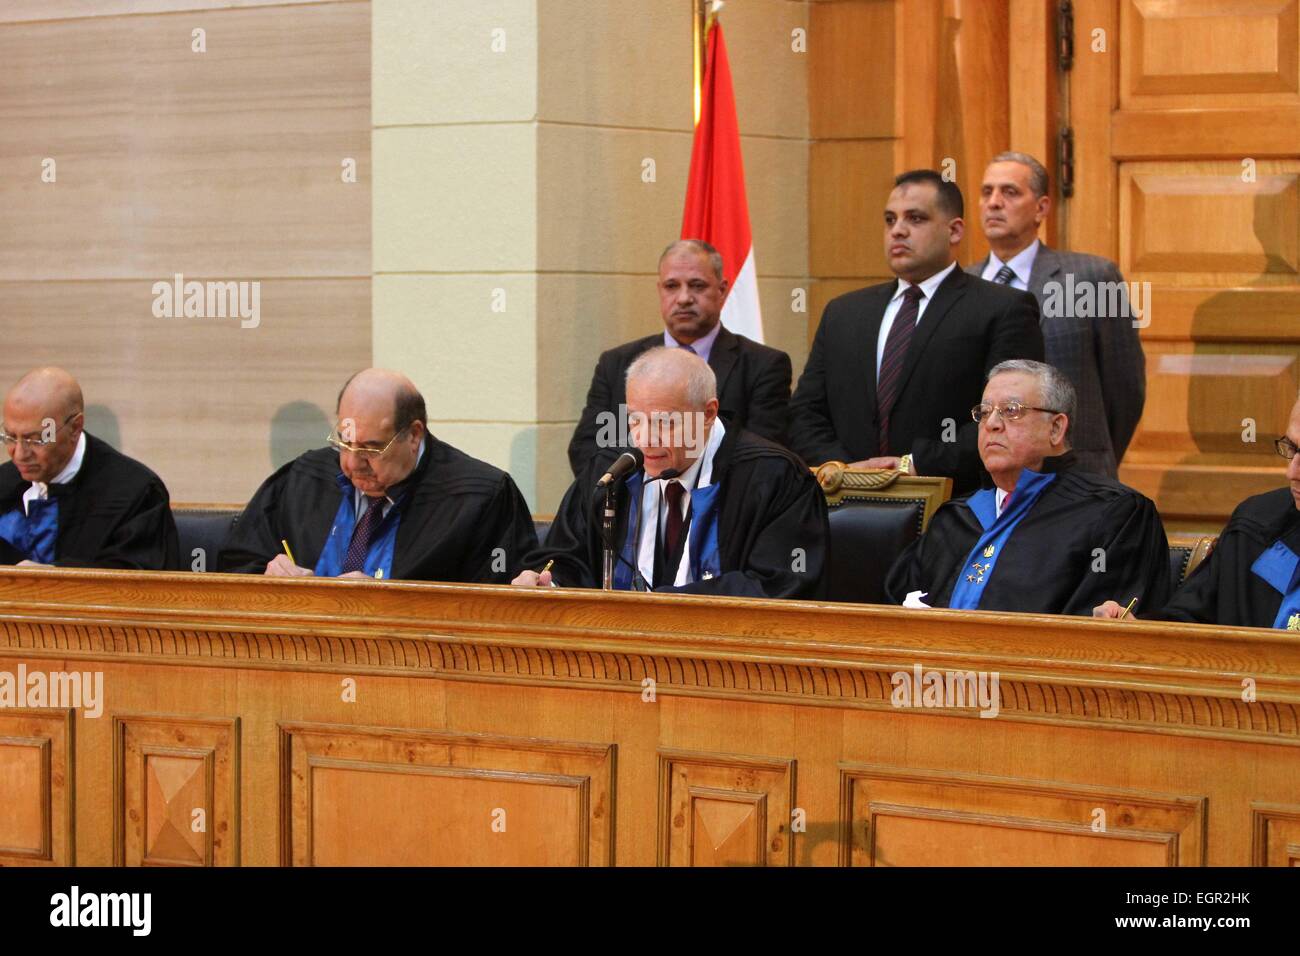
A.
x: 1096, y: 347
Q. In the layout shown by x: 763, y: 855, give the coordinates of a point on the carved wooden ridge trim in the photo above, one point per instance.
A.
x: 1103, y: 702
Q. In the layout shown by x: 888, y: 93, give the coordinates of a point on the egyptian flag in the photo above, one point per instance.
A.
x: 716, y: 210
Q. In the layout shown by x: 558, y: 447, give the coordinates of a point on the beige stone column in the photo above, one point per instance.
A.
x: 530, y: 162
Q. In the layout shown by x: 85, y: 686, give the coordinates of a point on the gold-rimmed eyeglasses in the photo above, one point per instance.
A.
x: 335, y: 440
x: 1010, y: 411
x: 1286, y: 447
x: 11, y: 441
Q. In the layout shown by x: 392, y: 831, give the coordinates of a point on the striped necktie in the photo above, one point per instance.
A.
x: 1005, y: 275
x: 890, y: 378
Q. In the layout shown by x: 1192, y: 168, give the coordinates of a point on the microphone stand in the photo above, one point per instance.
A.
x: 607, y: 537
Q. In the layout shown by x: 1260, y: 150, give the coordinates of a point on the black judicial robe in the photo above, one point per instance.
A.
x: 458, y: 511
x: 1224, y: 590
x: 769, y: 506
x: 1046, y: 566
x: 114, y: 514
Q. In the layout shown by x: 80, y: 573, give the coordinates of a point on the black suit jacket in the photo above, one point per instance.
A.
x: 970, y: 326
x: 753, y: 391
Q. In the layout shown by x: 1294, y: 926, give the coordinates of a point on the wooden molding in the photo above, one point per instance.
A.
x: 1168, y: 678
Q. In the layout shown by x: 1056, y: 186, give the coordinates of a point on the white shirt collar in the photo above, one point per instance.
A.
x: 1022, y: 263
x: 40, y: 490
x: 928, y: 286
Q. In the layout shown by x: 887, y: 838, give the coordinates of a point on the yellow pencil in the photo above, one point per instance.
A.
x: 287, y: 550
x: 1124, y: 613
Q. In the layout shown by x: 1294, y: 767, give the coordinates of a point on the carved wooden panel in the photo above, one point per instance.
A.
x: 725, y: 810
x: 372, y: 796
x: 1276, y: 835
x: 176, y: 792
x: 1244, y: 220
x: 1208, y: 53
x: 36, y: 786
x: 895, y: 817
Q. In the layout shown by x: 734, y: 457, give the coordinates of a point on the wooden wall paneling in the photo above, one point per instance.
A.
x: 367, y: 796
x: 37, y: 787
x: 725, y: 810
x: 1093, y: 210
x: 176, y: 790
x: 1033, y: 111
x: 901, y: 817
x: 1277, y: 835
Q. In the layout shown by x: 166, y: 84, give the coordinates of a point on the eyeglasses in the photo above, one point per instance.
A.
x: 364, y: 451
x: 1010, y: 411
x: 1286, y: 448
x: 12, y: 441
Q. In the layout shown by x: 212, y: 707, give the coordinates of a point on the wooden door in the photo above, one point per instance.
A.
x: 1186, y: 119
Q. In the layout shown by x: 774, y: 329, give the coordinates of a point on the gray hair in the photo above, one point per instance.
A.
x: 1038, y: 180
x: 680, y: 367
x: 1058, y: 392
x: 698, y: 246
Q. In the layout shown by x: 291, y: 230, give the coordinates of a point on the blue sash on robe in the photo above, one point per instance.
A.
x: 1279, y: 566
x: 378, y: 556
x: 34, y: 533
x: 983, y: 558
x: 701, y: 538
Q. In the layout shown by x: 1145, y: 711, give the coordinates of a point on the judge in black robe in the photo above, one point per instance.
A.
x: 772, y: 532
x: 1067, y: 537
x: 114, y: 514
x: 1252, y: 577
x: 100, y: 509
x: 447, y: 516
x: 1225, y: 589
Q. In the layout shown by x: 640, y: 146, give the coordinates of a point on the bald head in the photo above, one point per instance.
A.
x: 380, y: 410
x: 672, y: 404
x: 52, y: 390
x: 675, y: 370
x: 45, y: 405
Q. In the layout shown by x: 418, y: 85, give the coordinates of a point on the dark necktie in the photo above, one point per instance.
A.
x: 1005, y: 275
x: 690, y: 349
x: 362, y: 535
x: 891, y: 364
x: 673, y: 492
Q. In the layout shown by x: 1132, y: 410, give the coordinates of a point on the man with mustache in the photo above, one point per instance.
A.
x: 753, y: 379
x: 384, y: 499
x: 717, y: 510
x: 1252, y: 578
x: 1046, y: 537
x: 1101, y: 354
x: 895, y: 368
x: 69, y: 499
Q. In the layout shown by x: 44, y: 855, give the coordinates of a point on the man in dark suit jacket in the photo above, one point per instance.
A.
x: 753, y: 379
x: 1100, y: 351
x: 882, y: 393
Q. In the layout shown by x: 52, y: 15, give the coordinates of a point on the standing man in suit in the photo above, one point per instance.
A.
x: 895, y: 368
x: 1101, y: 354
x: 753, y: 379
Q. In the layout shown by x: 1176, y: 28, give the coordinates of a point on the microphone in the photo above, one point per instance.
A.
x: 627, y: 462
x: 668, y: 474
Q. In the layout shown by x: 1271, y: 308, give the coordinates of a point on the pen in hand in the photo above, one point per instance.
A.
x: 1124, y: 613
